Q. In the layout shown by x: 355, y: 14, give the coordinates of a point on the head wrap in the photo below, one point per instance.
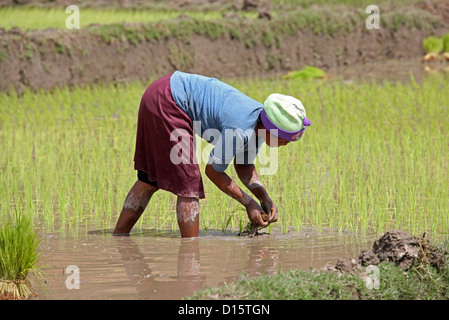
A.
x: 284, y: 116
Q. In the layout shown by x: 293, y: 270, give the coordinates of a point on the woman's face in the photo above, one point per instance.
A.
x: 271, y: 141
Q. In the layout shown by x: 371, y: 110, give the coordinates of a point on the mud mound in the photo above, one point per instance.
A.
x: 403, y: 250
x: 397, y: 247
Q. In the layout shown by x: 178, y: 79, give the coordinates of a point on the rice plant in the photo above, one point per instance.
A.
x: 19, y: 256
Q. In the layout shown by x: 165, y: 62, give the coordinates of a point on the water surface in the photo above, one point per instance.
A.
x: 155, y: 265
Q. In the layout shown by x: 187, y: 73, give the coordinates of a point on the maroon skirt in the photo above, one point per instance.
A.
x: 165, y: 144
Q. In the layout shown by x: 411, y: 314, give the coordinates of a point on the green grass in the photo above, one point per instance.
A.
x: 421, y: 281
x: 394, y: 284
x: 375, y: 157
x: 29, y: 18
x: 154, y: 24
x: 19, y: 255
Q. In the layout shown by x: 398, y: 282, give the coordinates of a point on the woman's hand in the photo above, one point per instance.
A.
x: 253, y: 209
x: 255, y: 212
x: 270, y: 208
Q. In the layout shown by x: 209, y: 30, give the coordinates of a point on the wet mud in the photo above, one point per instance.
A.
x: 152, y: 264
x: 395, y: 246
x: 391, y: 70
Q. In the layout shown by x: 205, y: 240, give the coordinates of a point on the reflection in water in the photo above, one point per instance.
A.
x: 262, y: 260
x: 145, y: 266
x: 141, y: 276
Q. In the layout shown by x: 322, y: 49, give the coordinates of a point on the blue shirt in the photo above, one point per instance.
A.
x: 221, y: 115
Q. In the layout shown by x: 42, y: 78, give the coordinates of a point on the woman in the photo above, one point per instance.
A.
x: 170, y: 109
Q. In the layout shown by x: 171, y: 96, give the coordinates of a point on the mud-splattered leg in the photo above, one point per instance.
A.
x: 135, y: 203
x: 187, y: 210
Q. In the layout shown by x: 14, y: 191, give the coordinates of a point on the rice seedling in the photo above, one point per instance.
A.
x: 19, y: 256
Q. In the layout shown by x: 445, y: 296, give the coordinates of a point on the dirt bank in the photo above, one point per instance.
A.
x: 394, y: 246
x: 231, y: 47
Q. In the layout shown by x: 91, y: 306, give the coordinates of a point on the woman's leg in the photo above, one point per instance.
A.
x: 187, y: 211
x: 135, y: 203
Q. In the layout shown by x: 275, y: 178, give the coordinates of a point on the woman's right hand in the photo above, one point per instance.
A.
x: 254, y: 211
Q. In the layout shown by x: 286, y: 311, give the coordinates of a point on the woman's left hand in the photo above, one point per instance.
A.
x: 270, y: 208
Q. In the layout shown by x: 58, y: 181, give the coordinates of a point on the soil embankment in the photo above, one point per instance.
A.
x: 43, y: 59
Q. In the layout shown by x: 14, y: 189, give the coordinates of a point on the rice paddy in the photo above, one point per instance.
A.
x: 31, y: 18
x: 376, y: 157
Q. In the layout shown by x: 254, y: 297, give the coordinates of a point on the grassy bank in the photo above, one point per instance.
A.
x: 127, y: 45
x: 421, y: 280
x: 320, y: 19
x: 31, y: 18
x: 394, y: 284
x: 375, y: 157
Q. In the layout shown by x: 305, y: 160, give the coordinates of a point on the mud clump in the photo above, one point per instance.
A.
x: 396, y: 247
x: 348, y: 266
x: 403, y: 250
x: 252, y: 229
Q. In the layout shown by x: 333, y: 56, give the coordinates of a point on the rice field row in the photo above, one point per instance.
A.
x: 375, y: 157
x: 31, y: 18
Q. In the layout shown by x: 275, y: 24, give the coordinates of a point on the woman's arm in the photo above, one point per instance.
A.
x: 249, y: 177
x: 228, y: 186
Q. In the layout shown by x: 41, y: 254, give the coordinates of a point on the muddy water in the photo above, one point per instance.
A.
x: 150, y: 265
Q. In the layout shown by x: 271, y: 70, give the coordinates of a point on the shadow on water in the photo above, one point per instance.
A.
x: 165, y: 233
x: 155, y: 264
x: 140, y: 233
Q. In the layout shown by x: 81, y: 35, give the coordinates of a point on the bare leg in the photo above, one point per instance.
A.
x: 187, y: 211
x: 135, y: 203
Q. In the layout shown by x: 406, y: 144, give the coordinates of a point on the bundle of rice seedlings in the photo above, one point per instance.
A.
x: 306, y: 73
x: 19, y: 257
x: 432, y: 46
